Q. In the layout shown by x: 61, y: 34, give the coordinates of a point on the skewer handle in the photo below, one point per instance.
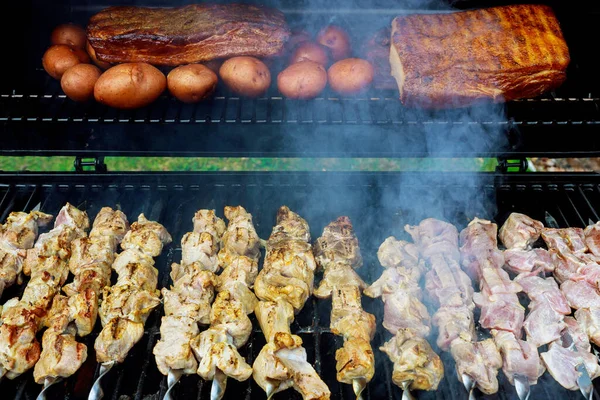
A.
x: 172, y: 379
x: 96, y: 393
x: 48, y: 382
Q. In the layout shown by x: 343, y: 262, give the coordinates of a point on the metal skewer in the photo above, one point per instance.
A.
x: 270, y: 390
x: 583, y: 380
x: 219, y: 384
x: 522, y: 386
x: 172, y: 378
x: 359, y: 385
x: 590, y: 222
x: 406, y: 395
x: 469, y: 385
x: 550, y: 221
x: 96, y: 393
x: 48, y: 382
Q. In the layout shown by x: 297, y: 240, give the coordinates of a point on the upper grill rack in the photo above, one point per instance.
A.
x: 371, y: 200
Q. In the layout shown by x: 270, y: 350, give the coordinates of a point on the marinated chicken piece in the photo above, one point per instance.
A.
x: 578, y: 333
x: 62, y: 356
x: 519, y: 357
x: 338, y: 243
x: 562, y: 364
x: 55, y: 243
x: 237, y: 279
x: 348, y: 319
x: 592, y: 238
x: 453, y: 323
x: 434, y: 237
x: 355, y: 360
x: 520, y: 231
x: 576, y: 267
x: 207, y: 221
x: 580, y: 294
x: 147, y: 236
x: 140, y: 275
x: 394, y: 253
x: 240, y: 237
x: 565, y: 240
x: 394, y: 279
x: 588, y: 321
x: 19, y: 349
x: 191, y: 296
x: 274, y: 317
x: 229, y: 315
x: 547, y: 308
x: 499, y: 304
x: 336, y: 275
x: 288, y: 271
x: 223, y: 356
x: 72, y: 217
x: 269, y: 372
x: 93, y: 276
x: 16, y: 236
x: 176, y: 352
x: 110, y: 223
x: 527, y: 261
x: 117, y: 337
x: 201, y: 248
x: 402, y: 311
x: 479, y: 360
x: 414, y: 361
x: 479, y: 248
x: 447, y: 284
x: 127, y: 302
x: 83, y: 310
x: 305, y: 379
x: 92, y: 250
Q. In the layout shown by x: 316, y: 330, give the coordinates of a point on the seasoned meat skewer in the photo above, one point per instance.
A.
x: 187, y: 303
x: 47, y: 263
x: 501, y: 311
x: 17, y: 235
x: 217, y: 347
x: 416, y: 365
x: 283, y: 286
x: 337, y: 252
x: 75, y: 314
x: 130, y: 300
x: 450, y: 291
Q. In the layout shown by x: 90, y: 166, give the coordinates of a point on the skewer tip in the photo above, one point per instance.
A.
x: 96, y: 393
x: 270, y: 390
x: 469, y: 385
x: 522, y: 387
x: 406, y: 395
x: 219, y: 384
x: 49, y: 381
x: 172, y: 378
x: 590, y: 222
x: 359, y: 385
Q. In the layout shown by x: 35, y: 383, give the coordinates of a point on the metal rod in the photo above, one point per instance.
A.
x: 590, y: 222
x: 96, y: 393
x: 359, y: 385
x: 172, y: 378
x: 406, y: 395
x: 270, y: 390
x: 469, y: 385
x: 219, y: 384
x: 48, y: 382
x: 550, y: 221
x: 522, y: 386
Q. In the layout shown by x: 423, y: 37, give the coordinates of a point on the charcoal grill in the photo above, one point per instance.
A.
x: 37, y: 119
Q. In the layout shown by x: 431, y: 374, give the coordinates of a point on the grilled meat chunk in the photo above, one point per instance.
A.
x: 519, y: 357
x: 526, y: 261
x: 240, y: 238
x: 414, y: 361
x: 479, y: 360
x: 338, y: 243
x: 62, y: 356
x: 567, y: 240
x: 458, y: 59
x: 147, y: 236
x: 520, y: 231
x: 186, y: 35
x: 592, y: 238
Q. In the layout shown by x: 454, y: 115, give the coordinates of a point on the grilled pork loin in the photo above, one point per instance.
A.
x: 185, y: 35
x: 497, y: 54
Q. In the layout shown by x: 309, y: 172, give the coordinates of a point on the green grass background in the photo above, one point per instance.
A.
x: 63, y: 164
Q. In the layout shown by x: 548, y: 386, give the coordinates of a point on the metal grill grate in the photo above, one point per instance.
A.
x: 372, y: 201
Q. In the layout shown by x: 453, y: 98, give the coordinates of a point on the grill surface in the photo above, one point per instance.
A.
x: 35, y: 115
x: 379, y: 206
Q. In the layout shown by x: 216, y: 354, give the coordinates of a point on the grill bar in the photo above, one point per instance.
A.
x: 379, y: 203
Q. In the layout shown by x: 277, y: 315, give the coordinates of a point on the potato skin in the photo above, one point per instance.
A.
x: 302, y: 80
x: 78, y: 81
x: 60, y: 57
x: 92, y: 53
x: 192, y: 83
x: 69, y: 34
x: 130, y: 85
x: 337, y: 40
x: 350, y: 76
x: 310, y: 51
x: 246, y: 76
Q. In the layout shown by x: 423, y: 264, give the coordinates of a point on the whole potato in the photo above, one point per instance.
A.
x: 337, y: 40
x: 350, y: 76
x: 60, y: 57
x: 69, y: 34
x: 130, y: 85
x: 310, y: 51
x: 297, y: 37
x: 302, y: 80
x: 92, y: 53
x: 192, y: 83
x: 246, y: 76
x: 78, y: 81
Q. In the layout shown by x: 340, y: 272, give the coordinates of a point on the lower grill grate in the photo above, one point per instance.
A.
x: 378, y: 204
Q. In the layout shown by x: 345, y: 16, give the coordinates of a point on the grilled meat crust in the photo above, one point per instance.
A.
x: 499, y: 53
x: 185, y: 35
